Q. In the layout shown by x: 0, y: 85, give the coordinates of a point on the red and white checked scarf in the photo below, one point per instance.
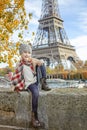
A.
x: 18, y: 77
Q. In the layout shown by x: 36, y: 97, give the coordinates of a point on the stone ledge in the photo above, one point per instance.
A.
x: 59, y: 109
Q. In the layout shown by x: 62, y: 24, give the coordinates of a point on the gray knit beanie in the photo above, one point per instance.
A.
x: 25, y: 48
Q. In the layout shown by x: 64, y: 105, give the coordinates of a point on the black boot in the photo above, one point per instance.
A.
x: 35, y: 122
x: 44, y: 85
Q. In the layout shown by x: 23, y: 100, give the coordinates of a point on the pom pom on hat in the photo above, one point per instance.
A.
x: 25, y: 48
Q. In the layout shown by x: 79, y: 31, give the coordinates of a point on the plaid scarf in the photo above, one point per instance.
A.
x: 18, y: 77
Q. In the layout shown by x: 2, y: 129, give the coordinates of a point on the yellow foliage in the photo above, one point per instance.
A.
x: 19, y: 3
x: 10, y: 63
x: 26, y: 27
x: 33, y: 33
x: 17, y: 44
x: 30, y: 15
x: 12, y: 17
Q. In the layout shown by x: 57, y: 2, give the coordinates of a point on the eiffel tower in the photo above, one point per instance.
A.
x: 51, y: 42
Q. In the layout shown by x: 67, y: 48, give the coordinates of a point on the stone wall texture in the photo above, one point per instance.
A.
x: 59, y: 109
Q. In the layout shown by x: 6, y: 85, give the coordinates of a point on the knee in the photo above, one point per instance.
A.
x: 36, y: 93
x: 42, y: 67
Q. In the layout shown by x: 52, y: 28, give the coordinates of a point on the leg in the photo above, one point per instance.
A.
x: 43, y: 71
x: 34, y: 117
x: 35, y: 94
x: 41, y: 76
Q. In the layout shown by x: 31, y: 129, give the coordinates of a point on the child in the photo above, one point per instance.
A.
x: 25, y: 78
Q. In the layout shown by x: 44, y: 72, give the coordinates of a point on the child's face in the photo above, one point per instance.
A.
x: 26, y: 56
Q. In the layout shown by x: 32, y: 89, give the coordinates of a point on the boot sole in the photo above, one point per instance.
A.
x: 42, y: 125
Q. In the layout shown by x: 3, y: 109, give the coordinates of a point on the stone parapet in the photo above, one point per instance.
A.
x: 59, y: 109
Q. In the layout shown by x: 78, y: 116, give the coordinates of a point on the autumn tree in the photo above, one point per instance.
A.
x: 12, y: 17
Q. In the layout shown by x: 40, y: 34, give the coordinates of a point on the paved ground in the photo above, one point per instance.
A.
x: 4, y: 127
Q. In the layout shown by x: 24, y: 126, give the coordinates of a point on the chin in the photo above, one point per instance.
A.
x: 27, y: 59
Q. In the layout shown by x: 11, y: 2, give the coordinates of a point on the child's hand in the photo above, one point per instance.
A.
x: 16, y: 89
x: 42, y: 61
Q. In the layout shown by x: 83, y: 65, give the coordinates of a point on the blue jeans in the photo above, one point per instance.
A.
x: 34, y: 88
x: 40, y: 72
x: 35, y: 94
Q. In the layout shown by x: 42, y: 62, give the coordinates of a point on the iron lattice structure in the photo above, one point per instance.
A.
x: 51, y: 42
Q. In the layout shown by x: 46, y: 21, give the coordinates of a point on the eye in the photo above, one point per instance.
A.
x: 29, y: 52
